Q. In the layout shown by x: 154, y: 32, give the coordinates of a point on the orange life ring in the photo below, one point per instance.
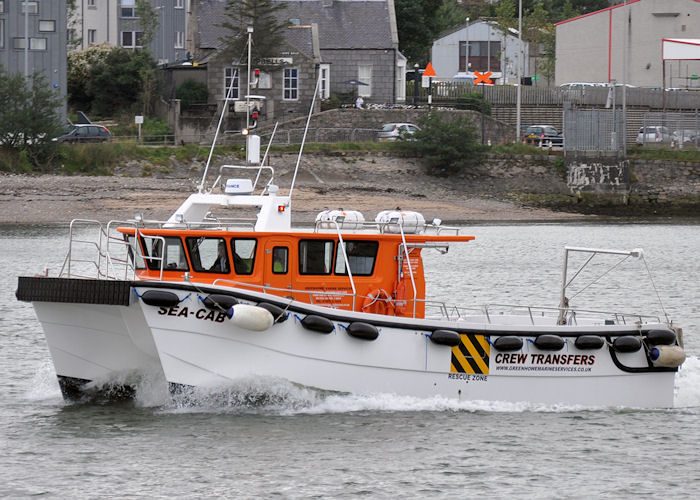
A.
x: 378, y: 301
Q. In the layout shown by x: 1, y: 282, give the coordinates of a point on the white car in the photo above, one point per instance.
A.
x: 391, y: 132
x: 655, y: 134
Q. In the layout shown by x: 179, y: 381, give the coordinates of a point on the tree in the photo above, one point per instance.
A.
x: 148, y: 21
x: 192, y: 92
x: 267, y: 35
x: 418, y: 25
x: 447, y: 142
x: 124, y: 80
x: 29, y: 116
x: 80, y: 64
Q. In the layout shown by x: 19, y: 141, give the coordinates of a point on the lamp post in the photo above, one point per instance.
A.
x: 518, y: 96
x: 416, y: 86
x: 466, y: 48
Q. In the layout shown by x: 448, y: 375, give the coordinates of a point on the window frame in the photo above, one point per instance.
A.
x: 238, y: 261
x: 155, y: 265
x: 53, y: 26
x: 2, y: 33
x: 196, y: 257
x: 2, y: 6
x: 179, y: 4
x: 91, y: 36
x: 29, y: 3
x: 283, y: 252
x: 340, y: 260
x: 232, y: 72
x: 290, y: 84
x: 327, y: 260
x: 324, y: 91
x: 364, y: 75
x: 92, y: 4
x: 179, y: 40
x: 136, y: 36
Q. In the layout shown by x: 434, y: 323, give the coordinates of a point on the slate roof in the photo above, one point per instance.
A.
x: 347, y: 24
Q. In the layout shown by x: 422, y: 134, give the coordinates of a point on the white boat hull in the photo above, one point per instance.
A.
x: 199, y: 348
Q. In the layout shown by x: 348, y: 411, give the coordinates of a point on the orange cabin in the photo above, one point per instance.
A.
x: 307, y: 266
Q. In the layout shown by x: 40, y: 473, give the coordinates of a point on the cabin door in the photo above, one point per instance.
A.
x: 278, y: 267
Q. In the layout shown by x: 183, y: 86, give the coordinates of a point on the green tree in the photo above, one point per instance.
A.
x: 192, y: 92
x: 29, y: 116
x: 80, y: 64
x: 125, y: 80
x: 418, y: 25
x: 447, y: 142
x: 267, y: 35
x: 148, y: 21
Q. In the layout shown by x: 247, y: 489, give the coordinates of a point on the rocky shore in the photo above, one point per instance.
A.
x: 368, y: 183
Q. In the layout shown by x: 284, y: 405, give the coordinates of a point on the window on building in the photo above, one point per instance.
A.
x: 2, y: 6
x: 92, y: 36
x: 315, y: 256
x: 2, y: 33
x: 179, y: 39
x: 231, y: 74
x: 364, y: 74
x: 325, y: 90
x: 128, y: 8
x: 47, y: 26
x: 361, y: 258
x: 179, y: 4
x: 291, y: 84
x: 91, y: 4
x: 243, y: 250
x: 479, y: 59
x: 30, y: 7
x: 34, y: 43
x: 264, y: 80
x: 131, y: 39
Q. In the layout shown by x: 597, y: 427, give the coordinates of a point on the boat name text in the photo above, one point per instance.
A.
x: 185, y: 312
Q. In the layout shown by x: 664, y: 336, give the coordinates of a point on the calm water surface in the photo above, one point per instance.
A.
x: 284, y: 441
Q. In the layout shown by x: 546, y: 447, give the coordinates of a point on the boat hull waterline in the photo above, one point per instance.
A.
x: 203, y: 348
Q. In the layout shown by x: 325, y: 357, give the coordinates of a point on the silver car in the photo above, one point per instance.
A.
x: 391, y: 132
x: 656, y: 134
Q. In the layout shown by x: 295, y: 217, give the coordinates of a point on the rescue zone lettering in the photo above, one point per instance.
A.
x: 217, y: 316
x: 546, y: 359
x: 468, y: 377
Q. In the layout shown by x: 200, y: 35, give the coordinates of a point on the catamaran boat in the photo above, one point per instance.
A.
x: 207, y: 298
x: 340, y: 306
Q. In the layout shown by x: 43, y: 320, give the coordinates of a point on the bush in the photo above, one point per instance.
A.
x: 475, y: 102
x: 447, y: 143
x: 192, y: 92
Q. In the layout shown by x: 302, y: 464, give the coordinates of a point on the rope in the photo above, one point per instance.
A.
x: 654, y: 287
x: 599, y: 277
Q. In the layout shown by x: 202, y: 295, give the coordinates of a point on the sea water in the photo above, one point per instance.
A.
x: 269, y: 438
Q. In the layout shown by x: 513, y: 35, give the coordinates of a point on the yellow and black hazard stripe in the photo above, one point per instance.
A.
x: 471, y: 355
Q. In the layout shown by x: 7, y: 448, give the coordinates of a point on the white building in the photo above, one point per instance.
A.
x: 624, y: 43
x: 489, y: 50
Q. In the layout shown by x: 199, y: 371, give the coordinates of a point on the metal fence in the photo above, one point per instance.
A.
x: 680, y: 130
x: 506, y: 95
x: 593, y: 130
x: 317, y: 135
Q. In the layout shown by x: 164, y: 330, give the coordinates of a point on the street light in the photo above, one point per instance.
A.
x: 415, y: 86
x: 466, y: 48
x: 518, y: 95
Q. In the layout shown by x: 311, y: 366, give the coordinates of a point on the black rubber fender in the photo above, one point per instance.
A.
x: 363, y: 331
x: 277, y: 312
x: 219, y: 302
x: 445, y: 337
x: 508, y: 343
x: 589, y: 342
x: 549, y: 342
x: 661, y: 337
x: 160, y: 298
x: 317, y: 324
x: 627, y: 343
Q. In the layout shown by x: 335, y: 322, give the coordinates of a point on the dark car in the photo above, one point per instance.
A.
x: 86, y: 133
x: 543, y: 135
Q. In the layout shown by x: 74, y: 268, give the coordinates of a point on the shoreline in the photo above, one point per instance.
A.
x: 54, y: 199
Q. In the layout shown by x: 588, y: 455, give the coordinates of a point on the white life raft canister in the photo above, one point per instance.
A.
x: 352, y: 219
x: 412, y: 222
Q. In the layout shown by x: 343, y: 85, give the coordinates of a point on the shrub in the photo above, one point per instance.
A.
x: 447, y: 143
x: 192, y: 92
x: 475, y: 102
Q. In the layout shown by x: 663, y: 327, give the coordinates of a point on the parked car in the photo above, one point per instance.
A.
x: 391, y: 132
x: 543, y: 135
x: 85, y: 133
x: 655, y: 134
x: 685, y: 136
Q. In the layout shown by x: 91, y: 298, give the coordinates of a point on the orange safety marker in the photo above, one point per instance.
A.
x: 429, y: 70
x: 482, y: 78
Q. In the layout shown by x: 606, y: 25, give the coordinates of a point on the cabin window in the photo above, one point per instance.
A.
x: 244, y: 254
x: 135, y: 255
x: 315, y: 256
x: 361, y: 257
x: 280, y: 260
x: 209, y: 255
x: 172, y: 257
